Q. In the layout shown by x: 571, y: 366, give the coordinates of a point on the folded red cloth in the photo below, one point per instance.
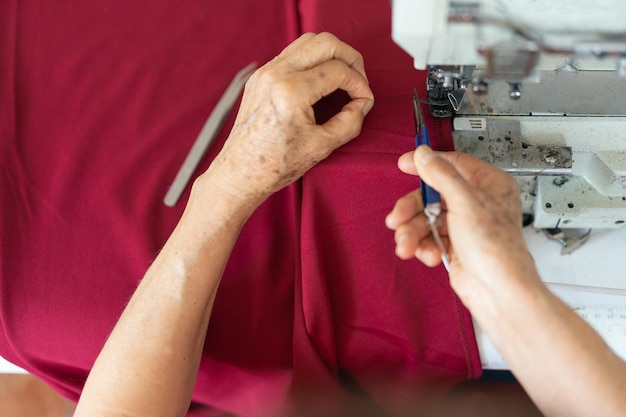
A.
x: 99, y: 104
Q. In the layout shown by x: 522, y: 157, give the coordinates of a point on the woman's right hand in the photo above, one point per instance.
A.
x: 481, y: 223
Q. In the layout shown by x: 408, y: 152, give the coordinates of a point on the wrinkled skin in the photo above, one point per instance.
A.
x: 480, y: 225
x: 275, y: 138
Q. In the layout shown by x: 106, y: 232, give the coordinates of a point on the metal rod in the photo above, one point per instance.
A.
x: 208, y: 134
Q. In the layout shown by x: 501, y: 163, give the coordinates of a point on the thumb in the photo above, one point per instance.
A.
x: 347, y: 124
x: 442, y: 175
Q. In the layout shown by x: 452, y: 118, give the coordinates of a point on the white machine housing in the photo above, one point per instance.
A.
x: 537, y: 88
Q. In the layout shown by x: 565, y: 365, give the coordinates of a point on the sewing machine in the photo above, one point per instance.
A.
x: 537, y: 88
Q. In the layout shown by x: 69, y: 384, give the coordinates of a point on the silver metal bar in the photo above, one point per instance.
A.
x: 500, y: 142
x: 208, y: 134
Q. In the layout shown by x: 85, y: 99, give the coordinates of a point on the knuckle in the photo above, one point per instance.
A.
x: 308, y: 35
x: 283, y: 91
x: 268, y: 71
x: 254, y: 78
x: 268, y: 75
x: 284, y: 87
x: 327, y: 37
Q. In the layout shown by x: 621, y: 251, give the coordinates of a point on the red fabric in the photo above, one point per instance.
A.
x: 395, y: 327
x: 99, y: 104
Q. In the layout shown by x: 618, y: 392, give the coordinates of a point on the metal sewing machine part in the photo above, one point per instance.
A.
x: 537, y: 89
x: 430, y: 197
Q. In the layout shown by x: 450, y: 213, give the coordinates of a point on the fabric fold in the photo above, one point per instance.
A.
x: 99, y: 105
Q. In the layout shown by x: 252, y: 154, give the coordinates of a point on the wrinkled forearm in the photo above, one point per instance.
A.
x: 150, y: 361
x: 563, y: 364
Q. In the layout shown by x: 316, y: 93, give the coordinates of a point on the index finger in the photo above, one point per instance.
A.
x: 475, y: 171
x: 458, y: 175
x: 314, y: 50
x: 334, y: 74
x: 442, y: 175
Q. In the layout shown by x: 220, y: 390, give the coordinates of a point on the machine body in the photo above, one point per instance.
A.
x: 536, y: 88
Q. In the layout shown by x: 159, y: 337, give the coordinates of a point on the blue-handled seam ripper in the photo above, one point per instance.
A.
x: 430, y: 197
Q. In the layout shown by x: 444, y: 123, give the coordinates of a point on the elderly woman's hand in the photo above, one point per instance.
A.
x: 481, y: 224
x: 276, y: 139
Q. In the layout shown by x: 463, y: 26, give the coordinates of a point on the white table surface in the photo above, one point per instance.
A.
x: 590, y: 274
x: 7, y: 367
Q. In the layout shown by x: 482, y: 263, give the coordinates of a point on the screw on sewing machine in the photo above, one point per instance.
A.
x: 515, y: 92
x: 480, y: 87
x: 551, y: 156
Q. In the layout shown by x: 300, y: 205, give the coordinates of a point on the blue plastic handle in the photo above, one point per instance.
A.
x: 429, y: 195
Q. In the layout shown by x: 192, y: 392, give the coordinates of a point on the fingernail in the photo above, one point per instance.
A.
x: 424, y: 153
x: 367, y: 106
